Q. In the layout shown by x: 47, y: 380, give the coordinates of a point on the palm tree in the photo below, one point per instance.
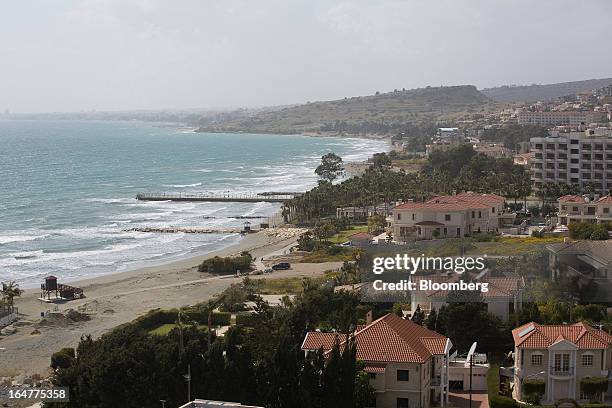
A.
x: 8, y: 293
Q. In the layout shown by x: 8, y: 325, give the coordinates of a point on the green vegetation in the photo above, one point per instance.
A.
x: 594, y: 387
x: 166, y: 328
x: 344, y: 235
x: 461, y: 169
x: 589, y: 230
x: 493, y: 388
x: 330, y: 168
x: 533, y: 390
x: 8, y: 293
x: 382, y: 113
x: 226, y: 265
x: 332, y: 254
x: 258, y: 362
x: 511, y: 136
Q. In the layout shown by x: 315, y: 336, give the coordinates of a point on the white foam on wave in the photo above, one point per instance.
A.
x: 8, y: 239
x: 182, y: 185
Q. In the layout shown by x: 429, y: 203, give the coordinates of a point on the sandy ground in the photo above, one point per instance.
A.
x: 115, y: 299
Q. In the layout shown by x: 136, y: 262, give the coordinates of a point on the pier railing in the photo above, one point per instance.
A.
x: 216, y: 197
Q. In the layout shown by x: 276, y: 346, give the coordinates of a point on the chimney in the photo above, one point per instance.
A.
x: 369, y: 318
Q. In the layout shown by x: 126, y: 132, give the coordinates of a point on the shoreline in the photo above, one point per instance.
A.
x: 112, y: 300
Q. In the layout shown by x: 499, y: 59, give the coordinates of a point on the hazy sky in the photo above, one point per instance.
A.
x: 62, y: 55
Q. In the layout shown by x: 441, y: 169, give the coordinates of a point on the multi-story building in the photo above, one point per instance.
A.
x: 199, y: 403
x: 504, y: 296
x: 449, y: 216
x: 579, y: 158
x: 554, y: 118
x: 575, y: 208
x: 444, y: 140
x: 407, y: 363
x: 561, y: 356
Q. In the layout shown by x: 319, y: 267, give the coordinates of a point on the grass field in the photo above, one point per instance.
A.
x: 513, y: 246
x: 164, y: 329
x: 289, y: 286
x: 343, y: 235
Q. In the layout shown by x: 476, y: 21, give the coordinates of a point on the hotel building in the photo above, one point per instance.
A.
x: 579, y: 158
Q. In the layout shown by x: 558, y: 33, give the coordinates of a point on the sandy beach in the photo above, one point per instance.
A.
x: 119, y: 298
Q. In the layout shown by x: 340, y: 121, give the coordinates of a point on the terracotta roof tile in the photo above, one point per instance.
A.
x: 317, y: 340
x: 537, y: 336
x: 605, y: 200
x: 388, y: 339
x: 572, y: 199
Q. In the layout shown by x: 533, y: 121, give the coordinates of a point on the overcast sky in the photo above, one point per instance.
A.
x: 72, y: 55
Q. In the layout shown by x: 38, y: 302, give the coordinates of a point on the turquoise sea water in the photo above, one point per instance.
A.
x: 67, y: 191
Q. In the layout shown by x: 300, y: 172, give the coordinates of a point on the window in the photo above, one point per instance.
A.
x: 372, y: 376
x: 402, y: 403
x: 587, y: 360
x: 447, y: 217
x: 606, y: 210
x: 493, y: 210
x: 479, y: 214
x: 473, y: 214
x: 399, y: 216
x: 562, y: 362
x: 403, y: 375
x: 413, y: 217
x: 536, y: 359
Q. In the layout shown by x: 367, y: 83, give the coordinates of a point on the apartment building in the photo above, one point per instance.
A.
x: 555, y: 118
x: 449, y: 216
x: 407, y: 363
x: 444, y: 140
x: 561, y: 356
x: 575, y: 208
x: 579, y: 158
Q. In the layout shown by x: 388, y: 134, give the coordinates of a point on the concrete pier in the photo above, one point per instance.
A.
x: 236, y: 198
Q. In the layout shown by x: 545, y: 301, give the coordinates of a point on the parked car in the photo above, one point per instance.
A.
x: 281, y: 266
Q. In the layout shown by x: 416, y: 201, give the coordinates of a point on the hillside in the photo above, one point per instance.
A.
x: 379, y: 113
x: 532, y: 93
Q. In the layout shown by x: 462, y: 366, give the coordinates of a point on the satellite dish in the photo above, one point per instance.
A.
x: 470, y: 354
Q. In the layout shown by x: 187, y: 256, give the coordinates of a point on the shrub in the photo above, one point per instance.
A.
x: 221, y: 319
x: 246, y: 320
x: 495, y: 400
x: 63, y: 358
x: 533, y: 390
x: 226, y: 265
x: 594, y: 386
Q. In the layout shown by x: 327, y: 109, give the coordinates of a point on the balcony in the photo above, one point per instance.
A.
x: 562, y: 371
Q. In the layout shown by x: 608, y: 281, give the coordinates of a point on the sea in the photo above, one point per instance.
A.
x: 68, y: 188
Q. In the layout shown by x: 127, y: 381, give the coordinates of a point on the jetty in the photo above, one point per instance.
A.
x: 229, y: 197
x: 187, y: 230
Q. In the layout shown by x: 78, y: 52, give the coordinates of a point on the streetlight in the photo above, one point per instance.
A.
x: 163, y: 402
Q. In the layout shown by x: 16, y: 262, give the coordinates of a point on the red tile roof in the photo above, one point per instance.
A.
x: 605, y: 200
x: 317, y: 340
x: 536, y: 336
x: 458, y: 202
x: 388, y: 339
x: 441, y: 206
x: 572, y: 199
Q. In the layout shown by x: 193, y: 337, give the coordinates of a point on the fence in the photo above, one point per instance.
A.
x: 8, y: 316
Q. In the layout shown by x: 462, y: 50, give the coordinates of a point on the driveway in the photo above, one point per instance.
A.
x: 461, y: 399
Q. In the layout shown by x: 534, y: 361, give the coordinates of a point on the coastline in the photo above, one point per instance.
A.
x: 115, y: 299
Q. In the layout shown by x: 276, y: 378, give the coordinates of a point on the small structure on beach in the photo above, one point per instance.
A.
x: 246, y: 228
x: 52, y: 291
